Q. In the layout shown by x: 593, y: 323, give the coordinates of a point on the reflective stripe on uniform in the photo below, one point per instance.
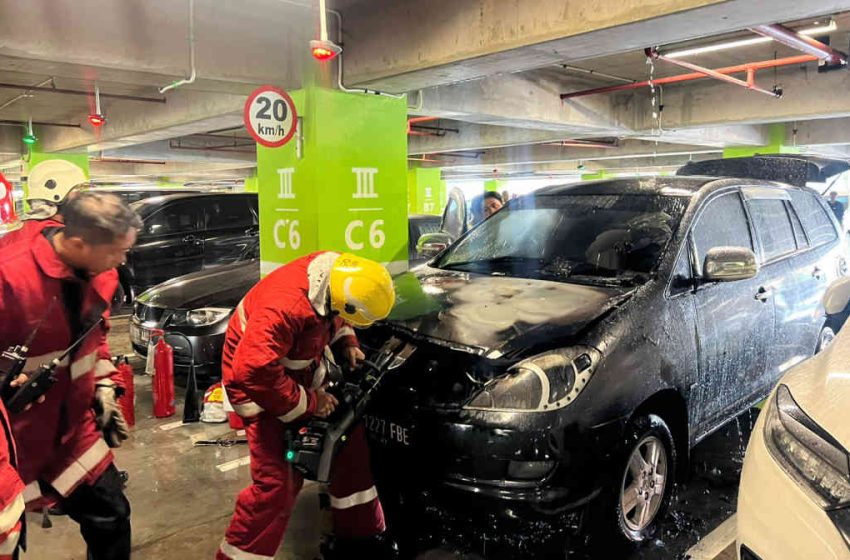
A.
x: 235, y: 554
x: 356, y: 499
x: 79, y: 469
x: 33, y: 363
x: 84, y: 365
x: 295, y: 364
x: 247, y: 410
x: 32, y: 492
x: 103, y: 368
x: 11, y: 514
x: 243, y: 319
x: 299, y: 409
x: 343, y: 332
x: 8, y: 546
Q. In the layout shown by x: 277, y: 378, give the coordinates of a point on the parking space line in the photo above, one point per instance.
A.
x: 234, y: 464
x: 716, y: 543
x: 171, y: 425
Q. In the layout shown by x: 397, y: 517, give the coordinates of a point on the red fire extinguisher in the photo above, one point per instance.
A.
x: 163, y: 377
x: 128, y: 399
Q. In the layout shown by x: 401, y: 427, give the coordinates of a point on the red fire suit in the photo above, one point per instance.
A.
x: 28, y: 230
x: 270, y: 370
x: 58, y: 442
x: 11, y: 491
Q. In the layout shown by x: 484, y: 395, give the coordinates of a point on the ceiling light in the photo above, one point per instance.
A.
x: 97, y: 119
x: 810, y: 32
x: 29, y: 138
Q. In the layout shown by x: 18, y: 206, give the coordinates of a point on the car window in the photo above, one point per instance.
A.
x: 681, y: 277
x: 180, y: 217
x: 228, y: 212
x: 723, y: 223
x: 813, y: 215
x: 773, y: 227
x: 799, y: 233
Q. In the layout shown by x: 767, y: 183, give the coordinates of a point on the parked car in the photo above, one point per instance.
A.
x: 199, y: 305
x: 185, y: 233
x: 794, y: 500
x: 575, y: 346
x: 135, y: 194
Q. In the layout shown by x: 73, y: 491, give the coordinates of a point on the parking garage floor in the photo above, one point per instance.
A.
x: 182, y: 495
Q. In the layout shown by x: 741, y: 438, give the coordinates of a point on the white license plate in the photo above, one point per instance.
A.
x: 140, y: 335
x: 387, y: 432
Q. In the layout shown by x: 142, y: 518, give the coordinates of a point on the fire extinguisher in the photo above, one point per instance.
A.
x: 128, y: 399
x: 163, y: 377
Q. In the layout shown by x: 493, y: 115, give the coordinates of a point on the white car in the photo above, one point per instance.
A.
x: 794, y: 500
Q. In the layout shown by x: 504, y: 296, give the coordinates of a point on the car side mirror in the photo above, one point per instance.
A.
x: 432, y: 244
x: 729, y: 264
x: 837, y: 296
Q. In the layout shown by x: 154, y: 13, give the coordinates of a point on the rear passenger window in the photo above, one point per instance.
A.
x: 723, y: 223
x: 227, y: 212
x: 816, y: 221
x: 180, y: 217
x: 799, y: 234
x: 773, y: 226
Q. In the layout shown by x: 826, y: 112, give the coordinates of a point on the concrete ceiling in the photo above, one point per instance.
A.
x: 491, y: 70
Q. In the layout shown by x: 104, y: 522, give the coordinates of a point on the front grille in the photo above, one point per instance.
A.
x: 147, y: 314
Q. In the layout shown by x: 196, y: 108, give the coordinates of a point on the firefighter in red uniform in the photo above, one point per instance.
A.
x: 63, y: 279
x: 49, y: 185
x: 272, y: 373
x: 11, y: 492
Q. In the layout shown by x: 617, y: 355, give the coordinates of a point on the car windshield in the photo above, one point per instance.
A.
x: 614, y: 238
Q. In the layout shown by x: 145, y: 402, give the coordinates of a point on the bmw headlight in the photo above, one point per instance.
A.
x: 812, y: 457
x: 545, y: 382
x: 200, y: 317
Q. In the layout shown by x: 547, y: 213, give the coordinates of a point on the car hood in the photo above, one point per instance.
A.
x: 821, y: 387
x: 221, y: 286
x: 495, y: 315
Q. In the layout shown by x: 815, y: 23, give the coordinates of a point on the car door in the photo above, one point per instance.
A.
x: 230, y: 225
x: 734, y: 319
x: 169, y: 244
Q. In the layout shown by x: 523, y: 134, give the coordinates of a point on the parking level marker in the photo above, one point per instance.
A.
x: 234, y: 464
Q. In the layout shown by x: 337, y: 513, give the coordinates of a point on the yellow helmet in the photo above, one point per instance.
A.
x: 361, y: 290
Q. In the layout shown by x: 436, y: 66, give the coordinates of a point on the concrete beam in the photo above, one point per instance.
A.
x: 168, y: 150
x: 819, y: 132
x: 117, y: 170
x: 472, y: 136
x: 403, y: 46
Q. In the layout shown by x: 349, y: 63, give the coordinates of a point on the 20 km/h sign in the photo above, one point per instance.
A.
x: 270, y: 116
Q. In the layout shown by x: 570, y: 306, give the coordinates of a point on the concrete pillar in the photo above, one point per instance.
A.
x: 426, y: 191
x: 340, y: 184
x: 775, y: 145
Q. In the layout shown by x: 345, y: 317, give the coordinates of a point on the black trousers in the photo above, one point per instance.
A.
x: 103, y: 513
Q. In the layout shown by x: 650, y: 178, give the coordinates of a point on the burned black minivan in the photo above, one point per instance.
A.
x: 574, y: 346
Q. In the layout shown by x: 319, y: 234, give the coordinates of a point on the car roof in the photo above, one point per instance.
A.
x: 681, y: 186
x: 156, y: 201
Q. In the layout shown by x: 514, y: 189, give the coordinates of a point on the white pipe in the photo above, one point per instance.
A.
x: 192, y: 74
x: 323, y: 21
x: 25, y: 94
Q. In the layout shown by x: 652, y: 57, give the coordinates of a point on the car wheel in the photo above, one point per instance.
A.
x: 827, y: 335
x: 646, y: 481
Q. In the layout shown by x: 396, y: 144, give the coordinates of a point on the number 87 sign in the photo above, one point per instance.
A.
x: 270, y: 116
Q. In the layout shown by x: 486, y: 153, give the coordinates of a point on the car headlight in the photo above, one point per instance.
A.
x: 546, y: 382
x: 810, y: 456
x: 200, y: 317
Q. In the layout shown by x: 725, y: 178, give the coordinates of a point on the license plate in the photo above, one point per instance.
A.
x: 387, y: 432
x: 140, y: 335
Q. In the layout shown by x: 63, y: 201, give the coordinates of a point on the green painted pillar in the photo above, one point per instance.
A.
x: 341, y: 186
x: 775, y: 145
x: 601, y: 174
x: 494, y: 185
x: 426, y: 191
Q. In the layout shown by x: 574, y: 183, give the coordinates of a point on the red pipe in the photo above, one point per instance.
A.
x: 808, y: 45
x: 748, y: 67
x: 749, y: 84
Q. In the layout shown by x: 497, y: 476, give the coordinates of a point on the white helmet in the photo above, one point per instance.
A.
x: 49, y: 183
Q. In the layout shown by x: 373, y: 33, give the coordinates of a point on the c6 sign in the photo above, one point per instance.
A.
x: 270, y: 116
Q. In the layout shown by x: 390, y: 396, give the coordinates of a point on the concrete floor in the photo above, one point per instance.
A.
x: 182, y: 495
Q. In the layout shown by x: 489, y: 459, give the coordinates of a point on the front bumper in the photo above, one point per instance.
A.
x: 776, y: 518
x: 207, y: 348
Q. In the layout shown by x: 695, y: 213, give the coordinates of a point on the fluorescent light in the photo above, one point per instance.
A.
x: 810, y: 32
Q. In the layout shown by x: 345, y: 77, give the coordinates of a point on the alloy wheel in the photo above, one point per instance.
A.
x: 644, y: 482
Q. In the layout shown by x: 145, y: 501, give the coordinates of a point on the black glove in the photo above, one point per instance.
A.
x: 108, y: 416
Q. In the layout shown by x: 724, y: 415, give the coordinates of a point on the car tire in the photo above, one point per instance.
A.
x: 610, y: 528
x: 825, y: 338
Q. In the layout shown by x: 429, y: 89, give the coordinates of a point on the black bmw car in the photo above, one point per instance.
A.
x: 573, y: 347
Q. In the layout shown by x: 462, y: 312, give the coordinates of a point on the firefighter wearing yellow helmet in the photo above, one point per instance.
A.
x: 273, y: 376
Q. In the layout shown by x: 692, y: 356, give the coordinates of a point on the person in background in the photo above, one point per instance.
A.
x: 63, y: 278
x: 837, y: 207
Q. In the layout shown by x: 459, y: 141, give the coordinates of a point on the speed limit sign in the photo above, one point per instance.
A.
x: 270, y: 116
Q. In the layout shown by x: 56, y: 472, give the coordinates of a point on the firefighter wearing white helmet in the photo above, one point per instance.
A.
x: 273, y: 373
x: 50, y: 182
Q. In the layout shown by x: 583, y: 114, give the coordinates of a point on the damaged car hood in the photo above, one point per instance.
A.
x: 495, y: 315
